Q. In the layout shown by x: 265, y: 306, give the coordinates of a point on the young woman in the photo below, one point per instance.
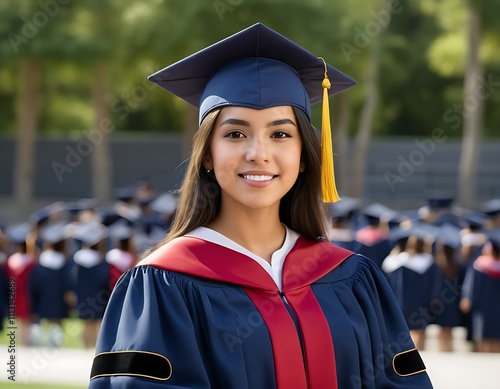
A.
x: 245, y: 292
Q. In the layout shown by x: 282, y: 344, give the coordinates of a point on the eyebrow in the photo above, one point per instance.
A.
x: 247, y: 124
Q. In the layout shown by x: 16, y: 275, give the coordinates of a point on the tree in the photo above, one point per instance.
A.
x: 473, y: 111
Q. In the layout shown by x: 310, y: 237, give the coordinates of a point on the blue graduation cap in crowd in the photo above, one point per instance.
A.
x: 90, y: 233
x: 424, y: 231
x: 165, y: 203
x: 344, y: 208
x: 124, y: 194
x: 54, y: 232
x: 491, y: 207
x: 494, y: 239
x: 438, y: 199
x: 120, y: 230
x: 377, y: 212
x: 474, y: 219
x: 449, y: 235
x: 74, y: 207
x: 44, y: 214
x: 18, y: 232
x: 259, y: 68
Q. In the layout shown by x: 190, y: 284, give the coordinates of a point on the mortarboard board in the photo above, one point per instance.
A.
x: 124, y: 194
x: 54, y: 232
x: 164, y: 203
x: 437, y: 199
x: 42, y: 215
x: 491, y: 207
x: 449, y: 235
x: 400, y: 233
x: 18, y: 232
x: 474, y: 219
x: 258, y: 68
x: 379, y: 212
x: 120, y: 230
x: 425, y: 231
x: 344, y: 208
x: 494, y: 239
x: 89, y: 233
x: 74, y: 207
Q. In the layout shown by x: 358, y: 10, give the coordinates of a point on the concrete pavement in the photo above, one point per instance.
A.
x: 455, y: 370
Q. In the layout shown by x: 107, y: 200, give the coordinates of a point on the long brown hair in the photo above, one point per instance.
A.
x: 301, y: 209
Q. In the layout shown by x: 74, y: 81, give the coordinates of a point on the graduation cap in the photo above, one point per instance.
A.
x: 165, y: 203
x: 474, y: 219
x: 437, y: 199
x: 124, y: 194
x: 54, y: 232
x: 425, y: 231
x: 74, y: 207
x: 120, y: 230
x: 90, y: 233
x: 494, y: 239
x: 344, y: 208
x: 258, y: 68
x: 44, y: 214
x: 491, y: 207
x: 379, y: 212
x: 449, y: 235
x: 400, y: 233
x: 18, y: 232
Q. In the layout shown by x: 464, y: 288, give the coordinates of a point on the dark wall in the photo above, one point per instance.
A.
x: 399, y: 171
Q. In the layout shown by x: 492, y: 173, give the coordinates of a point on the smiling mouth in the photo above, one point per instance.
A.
x: 252, y: 177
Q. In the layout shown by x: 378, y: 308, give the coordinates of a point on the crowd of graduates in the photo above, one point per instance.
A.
x: 64, y: 261
x: 442, y: 262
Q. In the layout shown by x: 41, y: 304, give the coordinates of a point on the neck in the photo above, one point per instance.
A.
x: 260, y: 232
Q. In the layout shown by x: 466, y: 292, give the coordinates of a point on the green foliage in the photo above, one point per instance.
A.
x: 421, y: 54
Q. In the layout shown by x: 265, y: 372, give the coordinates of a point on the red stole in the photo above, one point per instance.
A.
x: 307, y: 262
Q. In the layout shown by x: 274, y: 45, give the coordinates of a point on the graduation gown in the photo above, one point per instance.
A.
x: 49, y: 281
x: 415, y: 281
x: 195, y: 314
x: 482, y: 288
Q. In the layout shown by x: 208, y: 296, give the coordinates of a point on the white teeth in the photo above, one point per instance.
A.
x: 257, y: 178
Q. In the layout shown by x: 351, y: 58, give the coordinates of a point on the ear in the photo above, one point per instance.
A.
x: 207, y: 163
x: 302, y: 167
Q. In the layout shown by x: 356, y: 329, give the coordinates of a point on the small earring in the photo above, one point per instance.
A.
x: 208, y: 170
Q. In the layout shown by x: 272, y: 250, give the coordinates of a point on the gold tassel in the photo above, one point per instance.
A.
x: 328, y: 187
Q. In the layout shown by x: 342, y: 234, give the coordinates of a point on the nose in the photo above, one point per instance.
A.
x: 257, y: 151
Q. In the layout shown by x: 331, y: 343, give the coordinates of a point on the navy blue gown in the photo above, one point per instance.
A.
x: 482, y: 288
x: 195, y: 314
x: 47, y: 289
x: 91, y: 285
x: 416, y: 290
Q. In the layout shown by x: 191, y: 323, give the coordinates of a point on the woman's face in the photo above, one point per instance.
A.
x: 255, y: 155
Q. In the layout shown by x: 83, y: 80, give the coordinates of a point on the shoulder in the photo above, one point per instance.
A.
x: 354, y: 268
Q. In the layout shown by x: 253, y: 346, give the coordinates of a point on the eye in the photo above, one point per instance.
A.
x: 280, y: 134
x: 234, y: 135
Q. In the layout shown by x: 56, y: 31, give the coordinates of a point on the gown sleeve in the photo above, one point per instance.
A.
x: 128, y: 356
x: 375, y: 349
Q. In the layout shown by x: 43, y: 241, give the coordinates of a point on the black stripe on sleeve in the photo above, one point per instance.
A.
x: 408, y: 363
x: 131, y: 363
